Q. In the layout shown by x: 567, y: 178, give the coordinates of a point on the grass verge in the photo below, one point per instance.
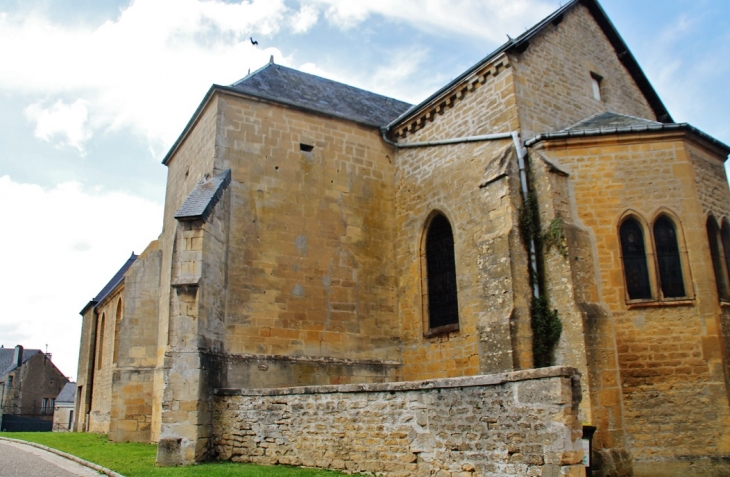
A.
x: 138, y: 460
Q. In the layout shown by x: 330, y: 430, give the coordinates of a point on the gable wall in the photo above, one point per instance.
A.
x: 310, y: 260
x: 37, y: 378
x: 553, y: 77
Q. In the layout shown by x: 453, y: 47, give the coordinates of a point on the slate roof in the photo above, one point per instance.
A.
x: 112, y: 284
x: 6, y: 358
x: 200, y: 202
x: 614, y: 123
x: 295, y: 88
x: 67, y: 393
x: 521, y: 43
x: 611, y: 120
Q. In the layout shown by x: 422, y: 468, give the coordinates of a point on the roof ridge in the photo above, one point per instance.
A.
x: 268, y: 63
x: 283, y: 67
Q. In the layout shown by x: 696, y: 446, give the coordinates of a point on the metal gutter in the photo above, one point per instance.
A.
x: 444, y: 142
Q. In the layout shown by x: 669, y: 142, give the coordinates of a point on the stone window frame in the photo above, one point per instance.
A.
x: 450, y: 327
x: 657, y: 297
x: 117, y: 325
x: 597, y: 87
x: 719, y: 258
x: 100, y: 344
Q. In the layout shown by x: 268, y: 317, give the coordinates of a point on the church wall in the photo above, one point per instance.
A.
x: 133, y: 374
x: 103, y: 363
x: 673, y: 391
x: 553, y: 77
x: 310, y: 269
x: 475, y: 186
x: 587, y: 338
x: 85, y: 371
x: 195, y: 157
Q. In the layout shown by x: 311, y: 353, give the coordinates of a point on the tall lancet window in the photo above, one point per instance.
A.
x: 443, y: 306
x: 667, y: 254
x: 718, y: 258
x: 633, y: 255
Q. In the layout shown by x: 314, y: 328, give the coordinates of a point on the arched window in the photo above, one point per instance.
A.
x: 667, y: 254
x: 443, y: 306
x: 117, y: 325
x: 633, y: 256
x: 725, y: 239
x: 100, y: 346
x: 719, y: 263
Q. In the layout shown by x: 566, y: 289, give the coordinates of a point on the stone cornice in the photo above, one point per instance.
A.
x: 447, y: 99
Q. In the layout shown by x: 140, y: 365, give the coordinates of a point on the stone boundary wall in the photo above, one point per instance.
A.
x: 520, y: 423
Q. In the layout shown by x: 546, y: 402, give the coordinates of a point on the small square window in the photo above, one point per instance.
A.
x: 596, y: 81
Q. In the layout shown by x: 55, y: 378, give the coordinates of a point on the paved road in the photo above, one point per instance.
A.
x: 18, y: 460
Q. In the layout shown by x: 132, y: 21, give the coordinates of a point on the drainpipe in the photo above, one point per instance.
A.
x: 521, y: 153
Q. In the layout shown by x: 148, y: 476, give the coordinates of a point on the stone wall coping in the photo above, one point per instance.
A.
x: 465, y: 381
x: 315, y: 359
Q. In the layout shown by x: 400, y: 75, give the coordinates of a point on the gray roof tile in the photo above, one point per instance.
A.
x: 611, y: 120
x: 111, y: 284
x: 614, y: 123
x: 311, y: 92
x: 200, y: 202
x: 67, y: 393
x: 116, y: 279
x: 6, y: 358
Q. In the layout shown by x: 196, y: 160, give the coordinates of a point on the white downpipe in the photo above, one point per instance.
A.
x: 442, y: 142
x: 521, y: 153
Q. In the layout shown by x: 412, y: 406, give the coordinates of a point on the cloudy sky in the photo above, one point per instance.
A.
x: 94, y: 92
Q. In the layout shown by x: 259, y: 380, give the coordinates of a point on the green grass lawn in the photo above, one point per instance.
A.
x: 138, y: 460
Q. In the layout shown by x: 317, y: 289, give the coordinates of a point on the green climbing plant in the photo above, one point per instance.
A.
x: 546, y: 330
x: 546, y: 324
x: 554, y: 236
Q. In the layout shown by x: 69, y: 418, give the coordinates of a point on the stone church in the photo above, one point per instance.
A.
x: 458, y: 287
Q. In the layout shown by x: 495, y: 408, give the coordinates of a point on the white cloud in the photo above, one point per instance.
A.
x: 490, y: 20
x: 62, y: 246
x: 304, y: 19
x: 146, y: 70
x: 63, y: 119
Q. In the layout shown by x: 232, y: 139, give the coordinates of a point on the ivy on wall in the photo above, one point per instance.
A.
x: 546, y: 324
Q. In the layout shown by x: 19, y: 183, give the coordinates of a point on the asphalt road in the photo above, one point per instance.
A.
x: 18, y: 460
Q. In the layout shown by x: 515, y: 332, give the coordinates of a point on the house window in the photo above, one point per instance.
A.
x: 443, y: 306
x: 719, y: 259
x: 10, y: 381
x: 596, y: 81
x: 633, y: 256
x: 668, y: 261
x: 44, y: 406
